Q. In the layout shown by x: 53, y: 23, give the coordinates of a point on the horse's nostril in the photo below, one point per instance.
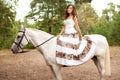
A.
x: 12, y: 50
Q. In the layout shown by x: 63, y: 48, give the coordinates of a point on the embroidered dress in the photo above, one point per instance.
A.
x: 67, y: 44
x: 70, y: 51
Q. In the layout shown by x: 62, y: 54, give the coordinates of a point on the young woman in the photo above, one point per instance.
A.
x: 68, y: 43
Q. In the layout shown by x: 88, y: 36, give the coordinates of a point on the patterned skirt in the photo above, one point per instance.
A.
x: 70, y: 51
x: 66, y: 48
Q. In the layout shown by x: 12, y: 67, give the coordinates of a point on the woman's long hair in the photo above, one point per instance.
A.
x: 74, y: 13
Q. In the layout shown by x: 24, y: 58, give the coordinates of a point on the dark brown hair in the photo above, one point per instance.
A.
x: 74, y: 13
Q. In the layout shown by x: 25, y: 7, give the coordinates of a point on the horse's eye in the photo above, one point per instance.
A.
x: 18, y: 37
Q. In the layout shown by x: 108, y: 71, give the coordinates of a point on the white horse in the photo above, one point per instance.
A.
x: 46, y: 44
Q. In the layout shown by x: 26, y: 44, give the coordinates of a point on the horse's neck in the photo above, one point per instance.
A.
x: 37, y: 37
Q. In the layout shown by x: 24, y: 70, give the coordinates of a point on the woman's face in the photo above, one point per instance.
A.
x: 69, y: 9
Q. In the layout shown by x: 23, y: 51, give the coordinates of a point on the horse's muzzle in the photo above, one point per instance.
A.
x: 14, y: 52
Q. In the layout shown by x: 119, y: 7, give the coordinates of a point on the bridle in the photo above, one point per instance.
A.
x: 44, y: 42
x: 19, y: 44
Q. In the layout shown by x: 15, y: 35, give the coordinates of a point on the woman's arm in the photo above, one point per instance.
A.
x: 77, y: 26
x: 62, y: 30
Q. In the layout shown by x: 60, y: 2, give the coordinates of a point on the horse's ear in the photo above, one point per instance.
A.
x: 22, y: 27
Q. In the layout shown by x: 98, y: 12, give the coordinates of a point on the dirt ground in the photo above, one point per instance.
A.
x: 31, y: 66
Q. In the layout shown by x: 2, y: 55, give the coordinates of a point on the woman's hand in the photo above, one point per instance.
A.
x: 62, y: 30
x: 58, y: 35
x: 80, y: 37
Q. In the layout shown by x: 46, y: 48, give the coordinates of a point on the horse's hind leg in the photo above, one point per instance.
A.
x: 56, y: 69
x: 102, y: 66
x: 99, y: 61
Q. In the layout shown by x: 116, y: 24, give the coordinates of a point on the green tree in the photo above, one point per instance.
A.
x: 48, y: 14
x: 87, y: 16
x: 108, y: 24
x: 79, y: 2
x: 108, y: 13
x: 115, y: 36
x: 7, y: 16
x: 82, y: 1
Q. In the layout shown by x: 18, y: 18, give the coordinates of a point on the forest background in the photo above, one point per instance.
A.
x: 48, y: 15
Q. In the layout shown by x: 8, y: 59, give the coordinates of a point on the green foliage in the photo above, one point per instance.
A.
x: 104, y: 29
x: 109, y: 25
x: 87, y: 17
x: 7, y: 39
x: 7, y: 16
x: 29, y: 46
x: 48, y: 14
x: 82, y: 1
x: 116, y: 30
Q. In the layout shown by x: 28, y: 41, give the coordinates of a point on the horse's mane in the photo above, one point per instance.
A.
x: 39, y: 31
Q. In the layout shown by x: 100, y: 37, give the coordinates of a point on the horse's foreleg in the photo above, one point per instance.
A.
x: 57, y: 71
x: 53, y: 72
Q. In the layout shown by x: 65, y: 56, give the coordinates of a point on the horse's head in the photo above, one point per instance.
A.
x: 20, y: 41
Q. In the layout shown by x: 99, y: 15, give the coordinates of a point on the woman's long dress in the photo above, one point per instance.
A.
x: 68, y: 45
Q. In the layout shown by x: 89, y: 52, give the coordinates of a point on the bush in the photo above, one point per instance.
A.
x: 104, y: 29
x: 115, y: 36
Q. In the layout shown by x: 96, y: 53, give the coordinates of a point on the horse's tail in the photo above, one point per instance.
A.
x: 107, y: 61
